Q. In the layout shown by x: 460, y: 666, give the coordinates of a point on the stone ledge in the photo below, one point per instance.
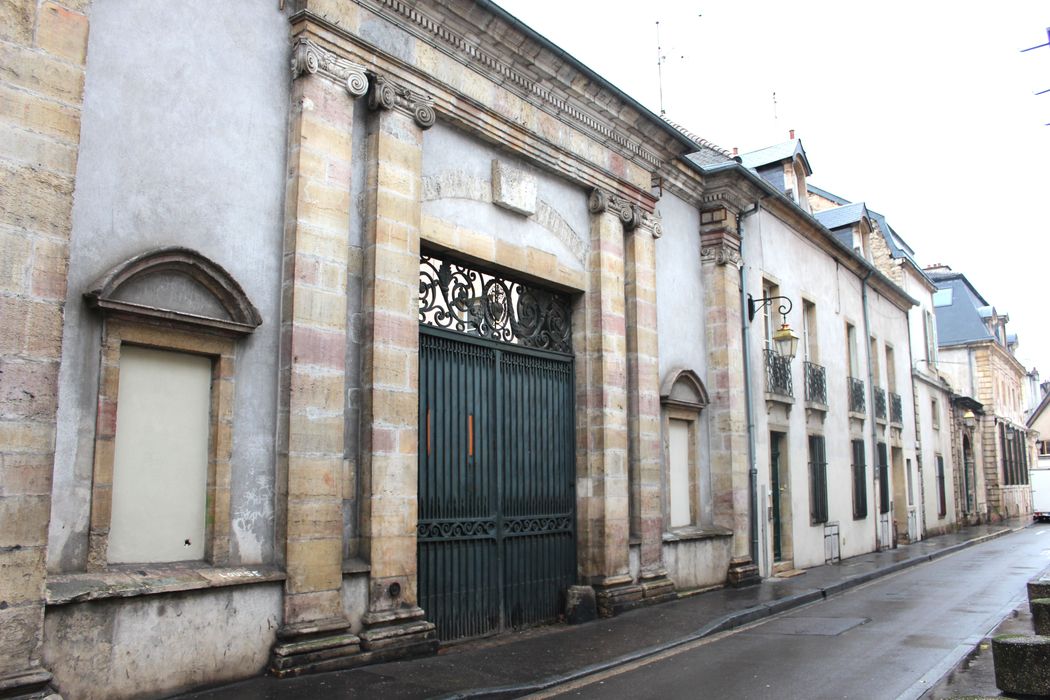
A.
x: 686, y: 534
x: 150, y: 580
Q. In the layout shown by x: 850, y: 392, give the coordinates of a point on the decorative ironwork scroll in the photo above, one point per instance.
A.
x: 457, y: 529
x: 529, y: 526
x: 481, y: 304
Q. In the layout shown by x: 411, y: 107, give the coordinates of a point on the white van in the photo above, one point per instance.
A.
x: 1040, y: 479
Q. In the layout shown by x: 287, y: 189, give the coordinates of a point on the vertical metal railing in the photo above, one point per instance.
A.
x: 816, y: 383
x: 856, y: 395
x: 496, y: 531
x: 880, y: 403
x: 778, y: 374
x: 896, y: 409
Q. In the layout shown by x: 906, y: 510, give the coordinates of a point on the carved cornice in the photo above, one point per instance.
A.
x: 386, y: 94
x: 630, y: 215
x: 443, y: 35
x: 309, y: 58
x: 722, y: 254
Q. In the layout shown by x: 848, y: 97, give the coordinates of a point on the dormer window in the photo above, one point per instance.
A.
x: 799, y: 180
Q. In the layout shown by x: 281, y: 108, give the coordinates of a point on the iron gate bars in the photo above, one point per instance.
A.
x: 496, y: 530
x: 481, y: 304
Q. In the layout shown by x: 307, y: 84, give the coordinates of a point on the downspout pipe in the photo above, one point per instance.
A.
x: 745, y: 328
x: 871, y: 403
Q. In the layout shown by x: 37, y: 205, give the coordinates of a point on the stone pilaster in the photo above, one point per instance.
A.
x: 316, y: 632
x: 602, y: 489
x: 44, y: 47
x: 395, y: 624
x: 643, y: 408
x: 720, y: 261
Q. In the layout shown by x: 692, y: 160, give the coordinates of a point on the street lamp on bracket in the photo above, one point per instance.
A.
x: 785, y: 340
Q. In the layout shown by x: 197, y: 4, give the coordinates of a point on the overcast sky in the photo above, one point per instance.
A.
x: 924, y: 110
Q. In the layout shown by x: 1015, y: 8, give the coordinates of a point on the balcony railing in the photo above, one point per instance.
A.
x: 856, y: 395
x: 778, y: 374
x: 880, y: 403
x: 816, y: 385
x: 896, y: 409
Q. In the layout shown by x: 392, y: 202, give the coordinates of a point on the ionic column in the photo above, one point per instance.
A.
x: 395, y: 624
x: 316, y: 633
x: 643, y: 408
x: 602, y: 491
x: 720, y: 262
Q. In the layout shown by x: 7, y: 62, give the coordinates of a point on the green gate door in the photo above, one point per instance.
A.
x: 496, y: 470
x: 496, y: 532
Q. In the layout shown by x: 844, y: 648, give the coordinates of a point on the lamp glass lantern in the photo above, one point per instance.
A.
x: 785, y: 340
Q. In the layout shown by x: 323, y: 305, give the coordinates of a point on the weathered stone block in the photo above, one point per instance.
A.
x: 1039, y: 587
x: 62, y: 32
x: 1022, y: 664
x: 39, y: 114
x: 580, y: 605
x: 1040, y: 615
x: 513, y: 188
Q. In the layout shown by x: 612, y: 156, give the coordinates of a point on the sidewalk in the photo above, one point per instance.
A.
x: 517, y: 664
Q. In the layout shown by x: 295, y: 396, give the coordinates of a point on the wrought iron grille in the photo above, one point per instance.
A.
x: 481, y: 304
x: 896, y: 408
x: 880, y: 403
x: 778, y: 374
x: 856, y: 395
x: 816, y: 383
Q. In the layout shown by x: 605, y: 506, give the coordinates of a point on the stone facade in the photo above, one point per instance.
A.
x: 273, y: 219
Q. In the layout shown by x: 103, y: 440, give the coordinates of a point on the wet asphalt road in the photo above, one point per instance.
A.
x: 890, y: 639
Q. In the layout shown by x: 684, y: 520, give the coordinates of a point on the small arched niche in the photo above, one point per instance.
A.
x: 177, y: 285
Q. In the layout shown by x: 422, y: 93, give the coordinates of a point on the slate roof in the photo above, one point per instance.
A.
x: 827, y: 195
x: 776, y: 153
x: 708, y: 153
x: 962, y: 321
x: 842, y: 216
x: 1038, y: 412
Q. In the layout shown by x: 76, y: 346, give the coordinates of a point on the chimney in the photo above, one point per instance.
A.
x: 1045, y: 388
x: 735, y: 152
x: 791, y: 135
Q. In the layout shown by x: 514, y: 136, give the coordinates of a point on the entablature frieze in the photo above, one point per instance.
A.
x: 319, y: 38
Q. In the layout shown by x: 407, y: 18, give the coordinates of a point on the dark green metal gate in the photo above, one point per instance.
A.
x: 496, y: 527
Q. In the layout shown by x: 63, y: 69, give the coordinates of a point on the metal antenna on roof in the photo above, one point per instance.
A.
x: 1041, y: 92
x: 774, y: 105
x: 660, y: 58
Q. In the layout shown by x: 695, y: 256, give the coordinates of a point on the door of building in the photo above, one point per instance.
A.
x: 496, y: 522
x: 774, y: 492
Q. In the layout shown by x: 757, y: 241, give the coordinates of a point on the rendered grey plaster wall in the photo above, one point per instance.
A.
x: 182, y: 143
x: 681, y: 322
x: 457, y: 177
x: 680, y: 289
x: 160, y: 644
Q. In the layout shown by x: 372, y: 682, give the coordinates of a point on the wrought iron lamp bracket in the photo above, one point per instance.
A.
x: 754, y: 305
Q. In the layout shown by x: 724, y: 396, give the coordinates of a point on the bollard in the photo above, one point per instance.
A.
x: 1022, y: 664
